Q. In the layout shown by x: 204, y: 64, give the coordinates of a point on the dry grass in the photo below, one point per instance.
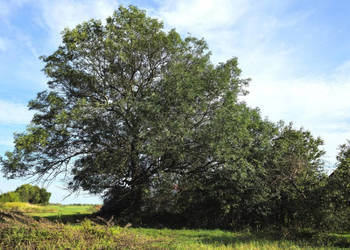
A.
x: 18, y: 231
x: 24, y: 207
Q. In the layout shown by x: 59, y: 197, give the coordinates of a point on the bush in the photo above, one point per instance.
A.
x: 10, y: 197
x: 27, y: 193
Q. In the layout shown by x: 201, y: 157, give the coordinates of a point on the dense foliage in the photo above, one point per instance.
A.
x: 9, y: 197
x: 144, y: 118
x: 27, y: 193
x: 276, y: 181
x: 336, y: 200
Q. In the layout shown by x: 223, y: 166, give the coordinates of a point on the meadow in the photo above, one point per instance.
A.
x: 55, y: 226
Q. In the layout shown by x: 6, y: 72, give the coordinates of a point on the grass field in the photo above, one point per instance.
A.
x: 26, y: 226
x: 63, y: 210
x: 48, y: 210
x: 218, y: 239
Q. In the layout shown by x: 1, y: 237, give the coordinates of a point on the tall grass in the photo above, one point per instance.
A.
x: 21, y: 232
x: 24, y: 207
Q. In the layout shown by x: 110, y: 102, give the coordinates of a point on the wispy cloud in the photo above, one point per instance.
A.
x: 14, y: 113
x: 6, y: 143
x: 56, y: 15
x: 246, y: 29
x: 7, y: 7
x: 202, y: 16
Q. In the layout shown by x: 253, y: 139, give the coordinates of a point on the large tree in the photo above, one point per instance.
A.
x: 127, y: 102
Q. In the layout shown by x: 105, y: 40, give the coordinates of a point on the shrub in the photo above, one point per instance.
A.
x: 10, y: 197
x: 27, y: 193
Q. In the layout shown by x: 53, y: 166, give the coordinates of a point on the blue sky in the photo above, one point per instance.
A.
x: 297, y: 54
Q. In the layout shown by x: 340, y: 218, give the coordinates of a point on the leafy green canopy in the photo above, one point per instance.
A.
x: 127, y: 101
x: 338, y: 184
x: 336, y: 200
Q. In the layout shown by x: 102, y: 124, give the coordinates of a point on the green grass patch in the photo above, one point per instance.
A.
x: 54, y: 212
x: 219, y: 239
x: 48, y: 210
x: 63, y: 210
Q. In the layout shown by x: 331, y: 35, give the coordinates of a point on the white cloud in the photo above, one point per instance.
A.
x: 14, y: 113
x: 8, y: 6
x: 56, y: 15
x: 6, y: 143
x: 202, y: 16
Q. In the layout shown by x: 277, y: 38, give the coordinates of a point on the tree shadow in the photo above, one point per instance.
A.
x: 318, y: 240
x: 232, y: 240
x: 66, y: 219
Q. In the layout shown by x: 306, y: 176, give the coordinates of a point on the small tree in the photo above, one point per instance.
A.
x: 337, y: 192
x: 33, y: 194
x: 44, y: 196
x: 27, y: 193
x: 10, y: 197
x: 295, y: 176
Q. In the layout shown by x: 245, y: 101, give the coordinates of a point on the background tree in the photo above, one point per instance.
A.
x: 33, y: 194
x: 275, y: 178
x: 336, y: 202
x: 128, y: 101
x: 9, y: 197
x: 233, y: 195
x: 27, y: 193
x: 295, y: 177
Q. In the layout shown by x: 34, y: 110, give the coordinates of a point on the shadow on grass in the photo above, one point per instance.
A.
x: 232, y: 240
x: 316, y: 240
x: 65, y: 219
